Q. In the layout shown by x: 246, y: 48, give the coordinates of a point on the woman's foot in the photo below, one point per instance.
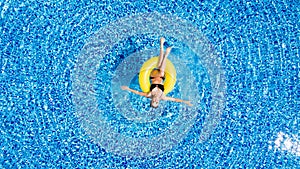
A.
x: 162, y: 41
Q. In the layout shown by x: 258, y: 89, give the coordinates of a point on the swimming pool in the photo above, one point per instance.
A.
x: 62, y: 65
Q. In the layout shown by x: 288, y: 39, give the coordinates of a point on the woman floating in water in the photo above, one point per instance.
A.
x: 157, y: 77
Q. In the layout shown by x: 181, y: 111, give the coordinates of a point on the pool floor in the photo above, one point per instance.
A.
x: 62, y: 65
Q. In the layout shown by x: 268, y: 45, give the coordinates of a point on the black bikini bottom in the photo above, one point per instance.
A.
x: 163, y: 78
x: 158, y: 85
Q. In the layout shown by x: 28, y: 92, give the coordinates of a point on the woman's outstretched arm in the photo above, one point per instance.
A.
x: 178, y: 100
x: 134, y: 91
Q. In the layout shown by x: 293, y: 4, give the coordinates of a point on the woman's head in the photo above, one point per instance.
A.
x: 156, y: 96
x: 154, y: 102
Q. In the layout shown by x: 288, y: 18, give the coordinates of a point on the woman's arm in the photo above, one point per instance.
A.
x: 178, y: 100
x: 134, y: 91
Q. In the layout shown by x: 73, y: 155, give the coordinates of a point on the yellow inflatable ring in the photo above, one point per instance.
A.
x: 146, y: 69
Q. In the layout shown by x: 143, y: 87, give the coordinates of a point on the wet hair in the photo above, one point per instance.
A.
x: 151, y: 104
x: 156, y: 96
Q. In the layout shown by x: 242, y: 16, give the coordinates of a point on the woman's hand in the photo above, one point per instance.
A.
x: 124, y: 87
x: 134, y: 91
x: 188, y: 103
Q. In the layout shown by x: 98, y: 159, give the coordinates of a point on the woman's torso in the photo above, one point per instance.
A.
x: 156, y: 77
x: 157, y: 80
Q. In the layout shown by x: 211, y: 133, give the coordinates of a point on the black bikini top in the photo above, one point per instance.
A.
x: 157, y: 85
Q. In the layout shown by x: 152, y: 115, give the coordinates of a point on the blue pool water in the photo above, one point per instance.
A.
x: 62, y: 65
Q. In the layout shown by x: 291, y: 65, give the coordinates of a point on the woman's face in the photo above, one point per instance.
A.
x: 155, y: 97
x: 154, y: 102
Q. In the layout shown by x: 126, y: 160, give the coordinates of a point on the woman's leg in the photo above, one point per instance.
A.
x: 161, y: 53
x: 164, y: 61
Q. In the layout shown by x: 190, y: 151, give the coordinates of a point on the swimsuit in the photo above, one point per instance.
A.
x: 163, y: 78
x: 157, y: 85
x: 160, y: 86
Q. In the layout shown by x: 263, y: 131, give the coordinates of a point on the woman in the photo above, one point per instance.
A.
x: 157, y: 77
